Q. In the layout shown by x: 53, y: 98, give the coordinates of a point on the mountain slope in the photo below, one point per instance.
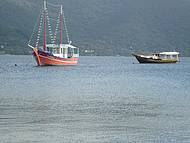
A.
x: 109, y: 27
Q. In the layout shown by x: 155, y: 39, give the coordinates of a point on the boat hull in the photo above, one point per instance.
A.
x: 154, y: 61
x: 46, y: 59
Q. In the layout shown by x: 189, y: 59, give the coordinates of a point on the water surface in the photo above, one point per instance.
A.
x: 101, y: 100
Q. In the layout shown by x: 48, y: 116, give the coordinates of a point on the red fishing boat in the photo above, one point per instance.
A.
x: 53, y: 54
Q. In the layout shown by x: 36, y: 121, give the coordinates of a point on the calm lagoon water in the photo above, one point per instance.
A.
x: 101, y: 100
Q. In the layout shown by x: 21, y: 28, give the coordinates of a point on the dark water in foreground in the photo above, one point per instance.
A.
x: 101, y: 100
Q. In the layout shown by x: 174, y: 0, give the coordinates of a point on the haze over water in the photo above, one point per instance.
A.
x: 101, y: 100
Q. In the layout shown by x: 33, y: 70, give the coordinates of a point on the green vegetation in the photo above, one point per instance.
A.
x: 106, y: 27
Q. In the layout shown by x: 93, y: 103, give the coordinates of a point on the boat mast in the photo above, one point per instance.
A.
x: 45, y: 9
x: 61, y: 25
x: 65, y: 26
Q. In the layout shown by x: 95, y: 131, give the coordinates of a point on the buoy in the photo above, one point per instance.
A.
x: 15, y: 65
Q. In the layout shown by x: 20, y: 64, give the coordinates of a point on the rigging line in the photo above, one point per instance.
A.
x: 33, y: 31
x: 56, y: 27
x: 65, y: 27
x: 50, y: 18
x: 39, y: 29
x: 51, y: 4
x: 49, y: 27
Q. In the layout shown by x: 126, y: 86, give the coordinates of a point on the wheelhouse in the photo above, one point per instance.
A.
x: 169, y: 55
x: 63, y: 50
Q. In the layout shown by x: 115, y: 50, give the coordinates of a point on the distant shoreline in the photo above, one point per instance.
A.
x: 80, y: 55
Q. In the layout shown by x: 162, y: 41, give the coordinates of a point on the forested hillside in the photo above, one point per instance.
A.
x: 107, y: 27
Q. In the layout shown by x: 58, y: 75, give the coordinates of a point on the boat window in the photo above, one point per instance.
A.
x: 163, y: 56
x: 70, y: 52
x: 50, y: 49
x: 75, y: 50
x: 174, y: 56
x: 64, y: 51
x: 56, y: 50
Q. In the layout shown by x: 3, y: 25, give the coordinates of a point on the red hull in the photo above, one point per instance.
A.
x: 46, y: 59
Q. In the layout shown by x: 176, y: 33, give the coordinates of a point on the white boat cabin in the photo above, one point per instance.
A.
x: 162, y: 55
x: 169, y: 55
x: 63, y: 50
